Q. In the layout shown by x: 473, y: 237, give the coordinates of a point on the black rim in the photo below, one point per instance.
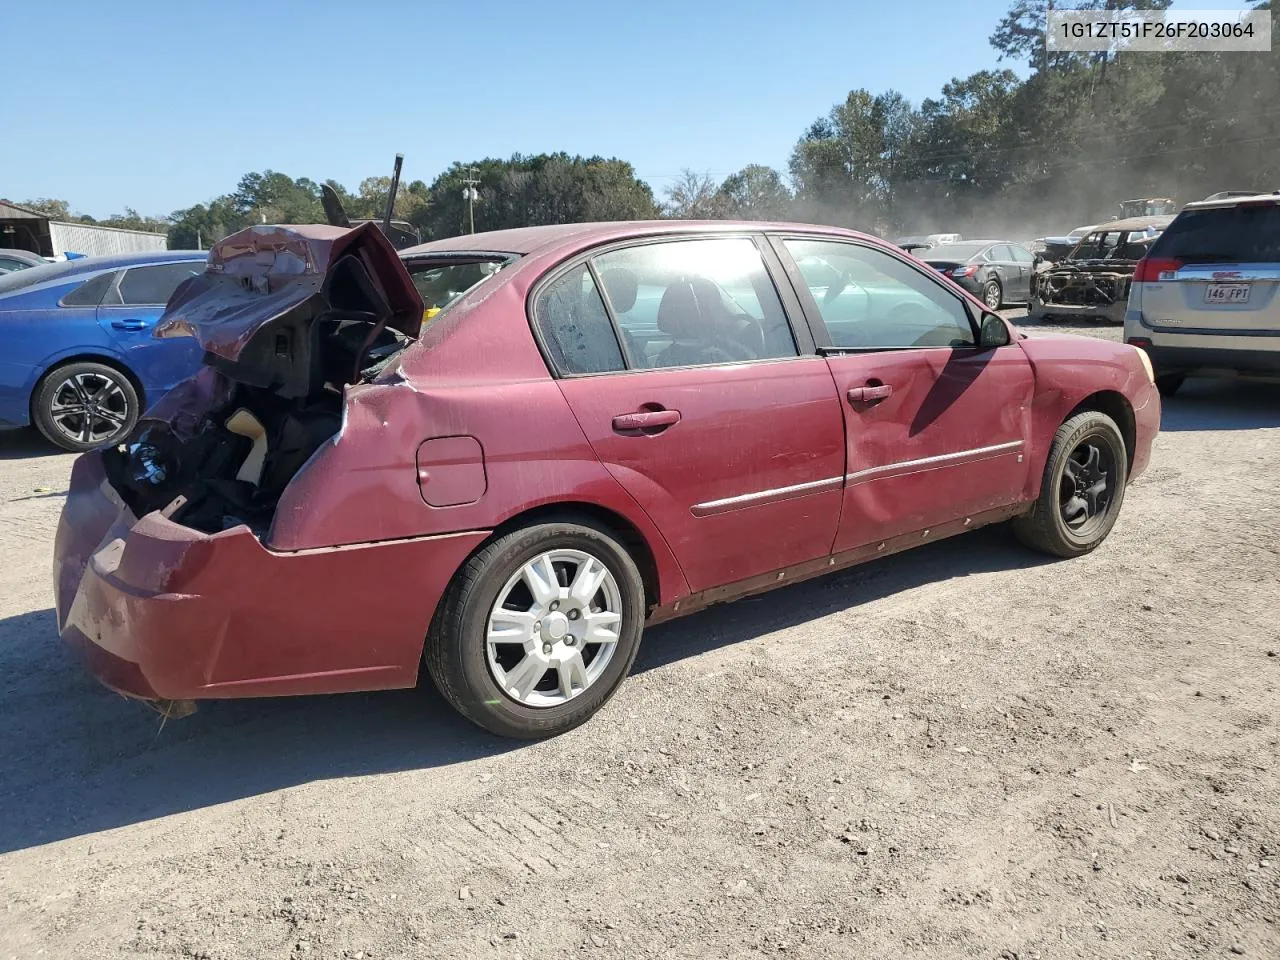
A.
x: 1088, y: 486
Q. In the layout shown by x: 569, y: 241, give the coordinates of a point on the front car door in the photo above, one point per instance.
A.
x: 936, y: 426
x: 1026, y: 266
x: 129, y: 311
x: 679, y: 362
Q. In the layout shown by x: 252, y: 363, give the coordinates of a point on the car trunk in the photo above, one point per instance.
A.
x: 288, y: 318
x: 1217, y: 269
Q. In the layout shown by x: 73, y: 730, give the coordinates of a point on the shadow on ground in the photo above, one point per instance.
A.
x: 1222, y: 405
x: 23, y: 443
x: 77, y: 759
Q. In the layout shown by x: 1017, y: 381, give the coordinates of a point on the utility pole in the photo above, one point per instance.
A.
x: 470, y: 194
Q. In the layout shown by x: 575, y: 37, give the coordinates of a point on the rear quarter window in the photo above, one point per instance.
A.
x: 1243, y: 234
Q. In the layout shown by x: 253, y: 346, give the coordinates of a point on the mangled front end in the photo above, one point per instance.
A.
x: 166, y: 573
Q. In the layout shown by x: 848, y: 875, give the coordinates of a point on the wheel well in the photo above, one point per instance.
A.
x: 614, y: 523
x: 1115, y: 406
x: 111, y: 362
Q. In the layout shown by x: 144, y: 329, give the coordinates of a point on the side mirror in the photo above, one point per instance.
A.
x: 993, y: 332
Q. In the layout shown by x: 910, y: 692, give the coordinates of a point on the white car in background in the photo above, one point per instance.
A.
x: 1205, y: 301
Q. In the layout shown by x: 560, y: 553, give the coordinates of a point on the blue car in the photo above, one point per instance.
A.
x: 77, y: 357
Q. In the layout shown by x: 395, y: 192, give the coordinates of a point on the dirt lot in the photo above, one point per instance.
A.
x: 961, y: 752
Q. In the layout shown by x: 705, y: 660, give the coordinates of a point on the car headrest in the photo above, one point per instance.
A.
x: 622, y: 286
x: 678, y: 310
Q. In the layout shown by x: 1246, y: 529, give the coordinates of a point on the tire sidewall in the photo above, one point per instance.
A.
x: 1103, y: 428
x: 467, y: 649
x: 986, y: 288
x: 42, y: 415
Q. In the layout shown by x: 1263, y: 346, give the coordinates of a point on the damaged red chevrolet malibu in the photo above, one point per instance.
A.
x: 607, y: 425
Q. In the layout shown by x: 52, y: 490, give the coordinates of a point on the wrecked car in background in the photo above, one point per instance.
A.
x: 1093, y: 280
x: 510, y: 493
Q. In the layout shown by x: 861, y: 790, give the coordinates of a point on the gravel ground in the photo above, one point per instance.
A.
x: 965, y: 751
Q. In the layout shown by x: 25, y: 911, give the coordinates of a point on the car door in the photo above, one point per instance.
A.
x: 129, y: 311
x: 936, y: 427
x: 1026, y: 267
x: 1000, y: 263
x: 699, y: 401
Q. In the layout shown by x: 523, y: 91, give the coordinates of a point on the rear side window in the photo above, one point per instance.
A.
x: 1243, y: 234
x: 154, y: 285
x: 685, y: 303
x: 89, y: 294
x: 575, y: 326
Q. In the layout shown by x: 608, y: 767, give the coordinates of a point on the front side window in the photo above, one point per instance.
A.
x: 1021, y: 254
x: 878, y: 302
x: 154, y: 285
x: 692, y: 302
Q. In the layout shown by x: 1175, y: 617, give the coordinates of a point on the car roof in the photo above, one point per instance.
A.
x: 527, y: 240
x: 1232, y: 201
x: 1131, y: 223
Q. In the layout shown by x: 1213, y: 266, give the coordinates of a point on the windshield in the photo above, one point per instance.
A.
x: 30, y: 277
x: 1242, y: 234
x: 956, y: 251
x: 440, y: 285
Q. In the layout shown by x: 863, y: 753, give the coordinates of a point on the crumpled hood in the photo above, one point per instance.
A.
x: 263, y: 273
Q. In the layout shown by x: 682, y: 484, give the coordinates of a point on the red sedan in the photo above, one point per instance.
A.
x: 606, y: 425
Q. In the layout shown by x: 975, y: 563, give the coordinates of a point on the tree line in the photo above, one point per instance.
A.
x: 994, y: 153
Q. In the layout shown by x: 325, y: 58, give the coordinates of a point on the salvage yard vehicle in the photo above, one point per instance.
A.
x: 1093, y: 280
x: 1206, y: 300
x: 995, y: 271
x: 77, y: 358
x: 615, y: 425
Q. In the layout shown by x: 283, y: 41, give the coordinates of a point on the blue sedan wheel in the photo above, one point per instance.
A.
x: 80, y: 406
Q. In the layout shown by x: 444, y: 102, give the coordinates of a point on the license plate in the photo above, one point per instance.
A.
x: 1227, y: 293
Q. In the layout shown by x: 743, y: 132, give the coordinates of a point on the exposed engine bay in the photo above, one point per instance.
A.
x: 1095, y: 275
x: 288, y: 320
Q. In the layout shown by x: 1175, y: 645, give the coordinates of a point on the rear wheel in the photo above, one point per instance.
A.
x: 79, y: 406
x: 1082, y: 489
x: 1170, y: 383
x: 538, y: 630
x: 992, y: 295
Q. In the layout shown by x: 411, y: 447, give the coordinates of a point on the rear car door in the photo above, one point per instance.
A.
x: 679, y: 361
x: 1021, y: 256
x: 129, y: 311
x: 936, y: 427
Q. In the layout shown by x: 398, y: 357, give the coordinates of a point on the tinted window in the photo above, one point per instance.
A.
x: 1020, y: 254
x: 1241, y: 234
x: 879, y: 302
x: 89, y: 294
x: 690, y: 302
x: 155, y: 285
x: 575, y: 326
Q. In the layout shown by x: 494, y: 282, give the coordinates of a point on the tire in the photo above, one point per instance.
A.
x: 464, y: 664
x: 1170, y: 383
x: 1046, y: 526
x: 107, y: 396
x: 992, y: 294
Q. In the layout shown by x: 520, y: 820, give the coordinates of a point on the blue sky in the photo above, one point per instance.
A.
x: 159, y: 105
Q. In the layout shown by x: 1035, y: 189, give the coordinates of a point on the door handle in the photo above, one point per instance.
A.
x: 128, y: 325
x: 646, y: 420
x: 870, y: 394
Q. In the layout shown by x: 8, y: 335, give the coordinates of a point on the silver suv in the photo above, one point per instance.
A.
x: 1205, y: 301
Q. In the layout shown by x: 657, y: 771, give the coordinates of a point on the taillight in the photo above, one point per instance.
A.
x: 968, y: 271
x: 1153, y: 269
x: 1142, y: 343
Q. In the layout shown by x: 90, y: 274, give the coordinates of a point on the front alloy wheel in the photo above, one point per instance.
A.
x: 538, y: 629
x: 1082, y: 488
